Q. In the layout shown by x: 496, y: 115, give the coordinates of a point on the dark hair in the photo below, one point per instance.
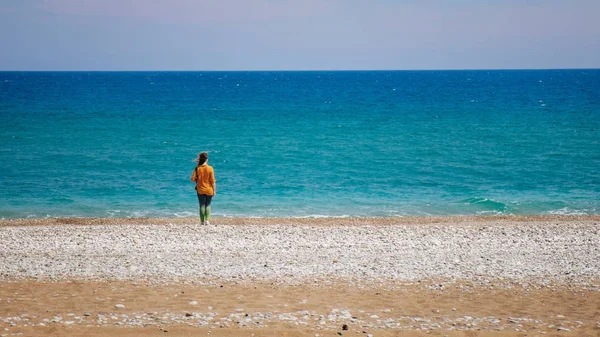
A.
x: 202, y: 158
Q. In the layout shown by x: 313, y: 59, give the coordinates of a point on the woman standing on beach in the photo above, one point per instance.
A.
x: 206, y: 186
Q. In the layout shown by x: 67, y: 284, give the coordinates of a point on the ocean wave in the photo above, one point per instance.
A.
x: 485, y: 206
x: 488, y: 205
x: 570, y: 211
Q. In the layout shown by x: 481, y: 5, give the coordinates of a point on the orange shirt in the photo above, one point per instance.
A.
x: 204, y: 176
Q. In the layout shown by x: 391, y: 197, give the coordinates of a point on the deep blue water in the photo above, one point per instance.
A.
x: 372, y: 143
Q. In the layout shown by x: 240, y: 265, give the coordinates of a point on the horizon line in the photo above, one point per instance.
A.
x: 297, y: 70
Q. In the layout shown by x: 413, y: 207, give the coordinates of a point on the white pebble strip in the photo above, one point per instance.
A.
x: 538, y: 250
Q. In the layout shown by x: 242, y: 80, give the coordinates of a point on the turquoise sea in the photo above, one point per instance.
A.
x: 357, y: 143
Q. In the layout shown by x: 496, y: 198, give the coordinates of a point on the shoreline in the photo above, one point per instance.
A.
x: 317, y: 221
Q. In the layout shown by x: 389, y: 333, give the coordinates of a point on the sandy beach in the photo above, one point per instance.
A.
x: 417, y: 276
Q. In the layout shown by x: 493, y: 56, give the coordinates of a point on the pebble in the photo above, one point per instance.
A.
x: 119, y: 306
x: 194, y: 303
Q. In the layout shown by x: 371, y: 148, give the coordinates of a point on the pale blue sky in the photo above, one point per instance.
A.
x: 298, y: 35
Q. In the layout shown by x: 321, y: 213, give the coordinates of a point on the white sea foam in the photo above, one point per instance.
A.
x: 569, y: 211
